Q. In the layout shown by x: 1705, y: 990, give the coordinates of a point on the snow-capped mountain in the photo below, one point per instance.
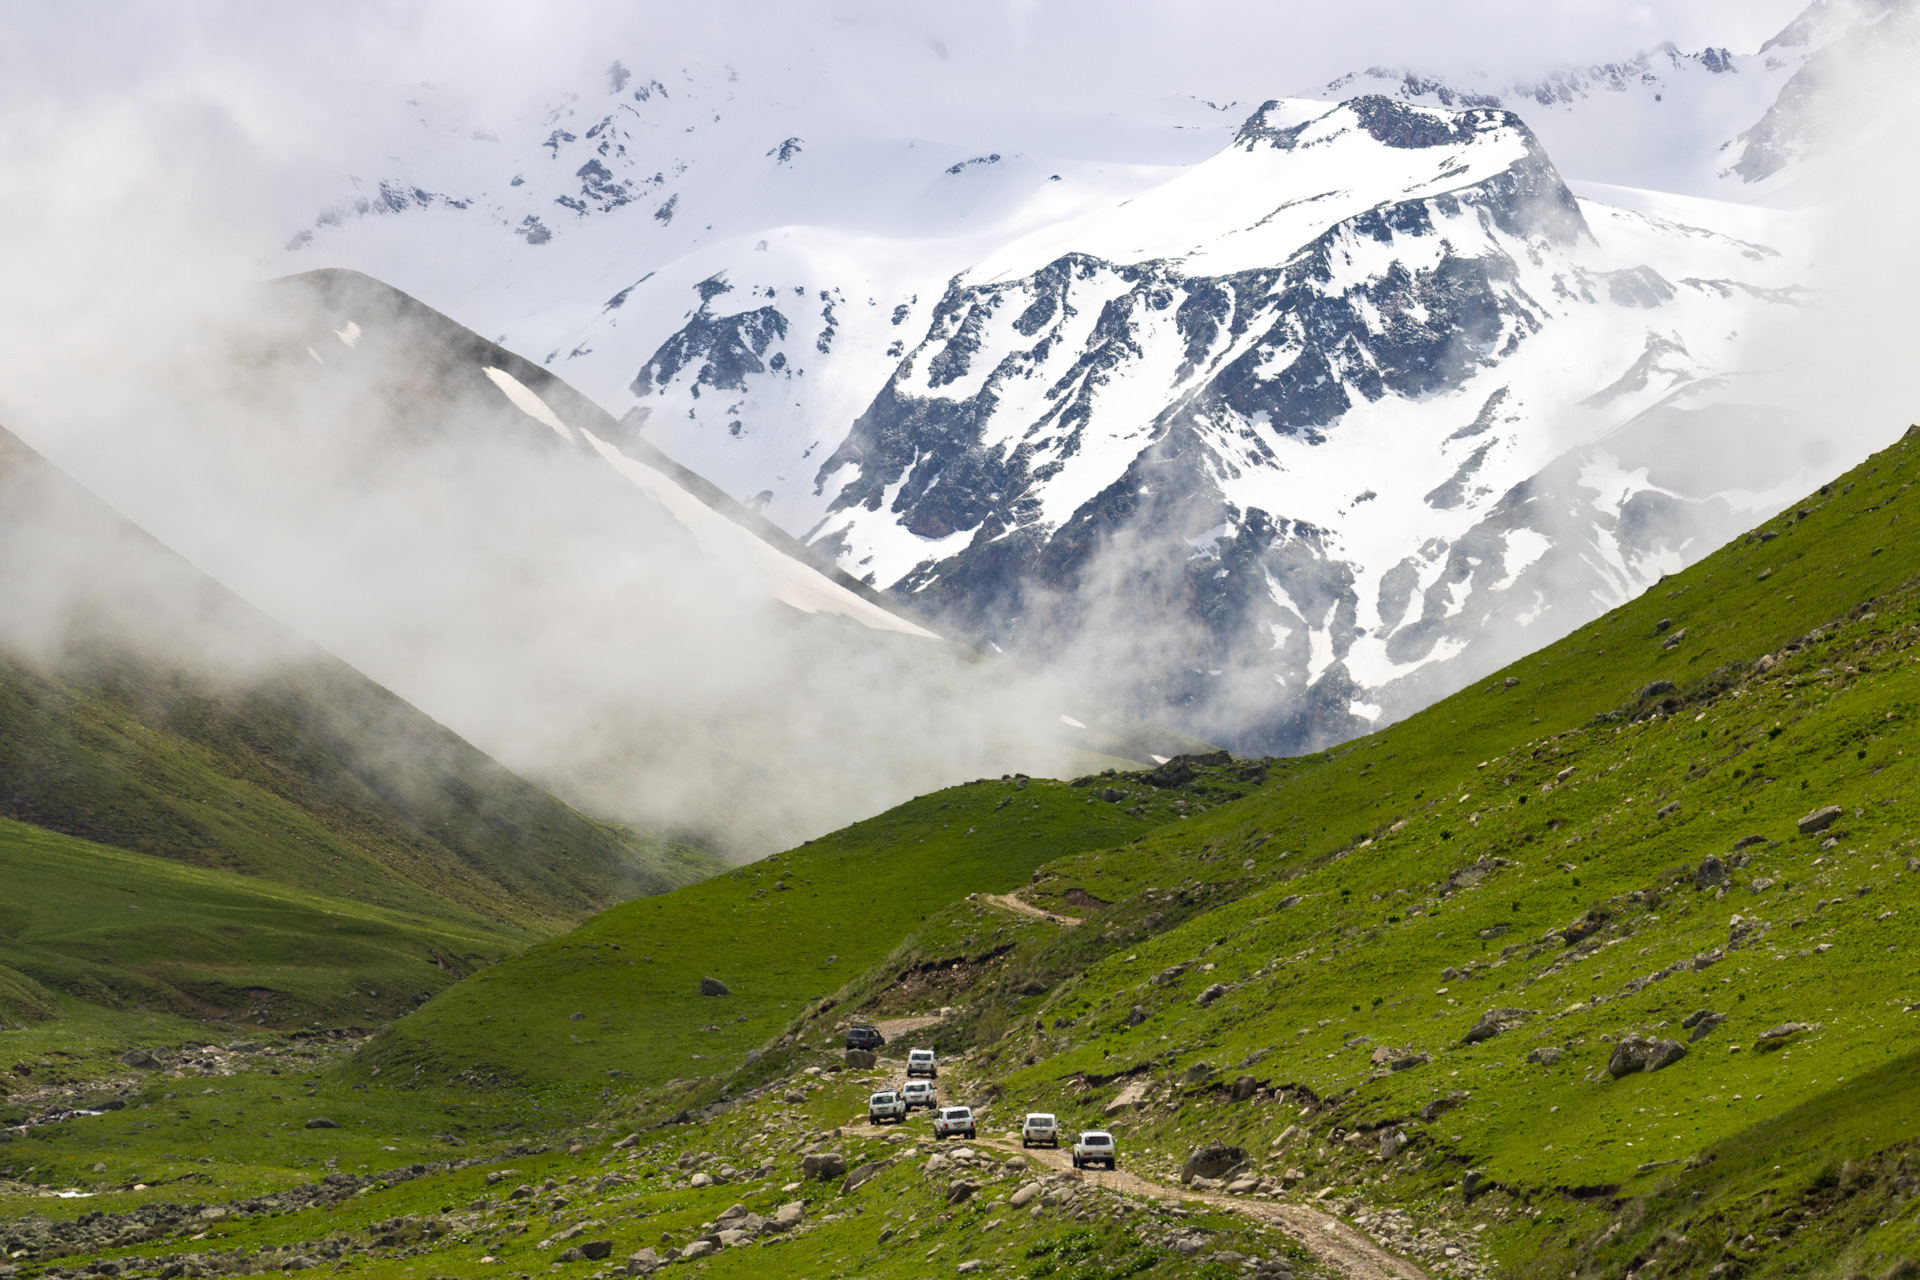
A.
x: 1275, y: 433
x: 1728, y: 124
x: 1267, y: 443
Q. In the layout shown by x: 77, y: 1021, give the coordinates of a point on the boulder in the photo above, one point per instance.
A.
x: 1211, y: 1161
x: 1245, y: 1087
x: 1702, y: 1024
x: 1391, y: 1142
x: 699, y: 1249
x: 1024, y: 1196
x: 1174, y: 773
x: 1493, y: 1022
x: 638, y: 1264
x: 1243, y: 1186
x: 1629, y: 1056
x: 1744, y: 931
x: 1774, y: 1037
x: 824, y: 1165
x: 1410, y: 1061
x: 1710, y: 873
x: 1211, y: 994
x: 594, y: 1250
x: 140, y: 1060
x: 571, y: 1254
x: 713, y: 987
x: 1129, y: 1098
x: 1546, y: 1055
x: 1819, y: 820
x: 864, y: 1174
x: 321, y: 1122
x: 1136, y: 1016
x: 789, y: 1215
x: 862, y: 1058
x: 1440, y: 1106
x: 1664, y: 1054
x: 961, y: 1192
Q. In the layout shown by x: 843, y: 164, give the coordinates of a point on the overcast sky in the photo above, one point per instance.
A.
x: 289, y: 85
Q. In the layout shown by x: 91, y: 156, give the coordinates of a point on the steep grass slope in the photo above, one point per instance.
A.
x: 138, y: 934
x: 1448, y: 932
x: 1417, y: 981
x: 619, y: 998
x: 143, y: 706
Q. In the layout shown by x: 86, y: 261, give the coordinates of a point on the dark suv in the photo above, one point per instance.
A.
x: 864, y: 1038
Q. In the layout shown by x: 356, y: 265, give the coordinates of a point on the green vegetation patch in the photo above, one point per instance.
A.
x: 142, y: 934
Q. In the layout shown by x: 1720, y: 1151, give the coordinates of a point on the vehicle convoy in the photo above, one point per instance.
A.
x: 953, y: 1122
x: 1039, y: 1127
x: 920, y: 1093
x: 920, y: 1063
x: 864, y: 1037
x: 1095, y: 1146
x: 884, y: 1106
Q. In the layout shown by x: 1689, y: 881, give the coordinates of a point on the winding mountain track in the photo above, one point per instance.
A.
x: 1330, y: 1240
x: 1011, y: 903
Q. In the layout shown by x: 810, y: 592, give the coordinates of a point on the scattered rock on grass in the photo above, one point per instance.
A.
x: 1211, y: 1161
x: 1711, y: 872
x: 824, y: 1165
x: 713, y: 987
x: 1493, y: 1022
x: 1774, y: 1037
x: 1701, y: 1023
x: 1546, y: 1055
x: 1819, y: 819
x: 321, y: 1122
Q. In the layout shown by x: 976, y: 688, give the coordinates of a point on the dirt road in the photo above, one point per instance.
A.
x: 1325, y: 1236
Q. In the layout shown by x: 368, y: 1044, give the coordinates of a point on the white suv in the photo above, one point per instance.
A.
x: 1095, y: 1146
x: 885, y: 1106
x: 953, y: 1122
x: 920, y: 1063
x: 1040, y: 1127
x: 920, y: 1093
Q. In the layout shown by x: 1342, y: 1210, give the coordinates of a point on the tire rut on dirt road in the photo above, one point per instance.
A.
x: 1325, y: 1236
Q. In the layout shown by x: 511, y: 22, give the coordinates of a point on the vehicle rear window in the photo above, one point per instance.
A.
x: 959, y: 1113
x: 1039, y: 1119
x: 883, y: 1097
x: 1096, y: 1139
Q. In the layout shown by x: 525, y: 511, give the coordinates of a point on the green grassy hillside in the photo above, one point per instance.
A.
x: 1407, y: 978
x: 779, y: 933
x: 145, y: 707
x: 140, y: 934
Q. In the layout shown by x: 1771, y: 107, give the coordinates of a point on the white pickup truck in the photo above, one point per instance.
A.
x: 884, y: 1106
x: 1095, y: 1146
x: 953, y: 1122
